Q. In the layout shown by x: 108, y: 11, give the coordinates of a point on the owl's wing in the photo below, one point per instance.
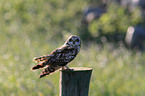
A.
x: 56, y: 61
x: 46, y: 57
x: 42, y: 58
x: 62, y: 56
x: 49, y: 59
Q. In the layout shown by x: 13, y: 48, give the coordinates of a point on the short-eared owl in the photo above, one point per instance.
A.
x: 60, y: 57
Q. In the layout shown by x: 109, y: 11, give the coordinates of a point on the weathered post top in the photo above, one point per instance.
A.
x: 75, y: 82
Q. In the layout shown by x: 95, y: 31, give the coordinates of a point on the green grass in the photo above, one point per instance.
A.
x: 34, y: 28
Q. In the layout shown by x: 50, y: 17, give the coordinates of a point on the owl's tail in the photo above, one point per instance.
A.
x: 39, y: 66
x: 49, y: 70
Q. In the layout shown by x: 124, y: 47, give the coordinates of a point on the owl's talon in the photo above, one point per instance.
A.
x: 69, y: 69
x: 62, y: 68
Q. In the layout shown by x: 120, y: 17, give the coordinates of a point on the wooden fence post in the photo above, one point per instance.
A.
x: 75, y: 82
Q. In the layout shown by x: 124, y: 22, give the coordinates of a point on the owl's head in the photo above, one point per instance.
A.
x: 73, y: 41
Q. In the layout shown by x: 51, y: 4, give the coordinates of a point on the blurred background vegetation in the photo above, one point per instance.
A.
x: 36, y: 27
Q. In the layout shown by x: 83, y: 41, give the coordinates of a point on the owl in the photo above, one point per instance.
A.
x: 59, y: 58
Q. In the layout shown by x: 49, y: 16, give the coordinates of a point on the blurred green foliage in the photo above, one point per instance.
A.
x: 36, y: 27
x: 115, y: 21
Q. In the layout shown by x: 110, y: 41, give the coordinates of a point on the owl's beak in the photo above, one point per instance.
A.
x: 73, y: 42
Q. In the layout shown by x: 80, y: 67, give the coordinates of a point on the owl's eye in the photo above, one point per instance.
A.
x: 70, y: 40
x: 77, y: 40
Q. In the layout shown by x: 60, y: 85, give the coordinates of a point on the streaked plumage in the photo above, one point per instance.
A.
x: 60, y: 57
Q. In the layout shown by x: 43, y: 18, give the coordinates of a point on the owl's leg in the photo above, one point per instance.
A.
x: 67, y: 68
